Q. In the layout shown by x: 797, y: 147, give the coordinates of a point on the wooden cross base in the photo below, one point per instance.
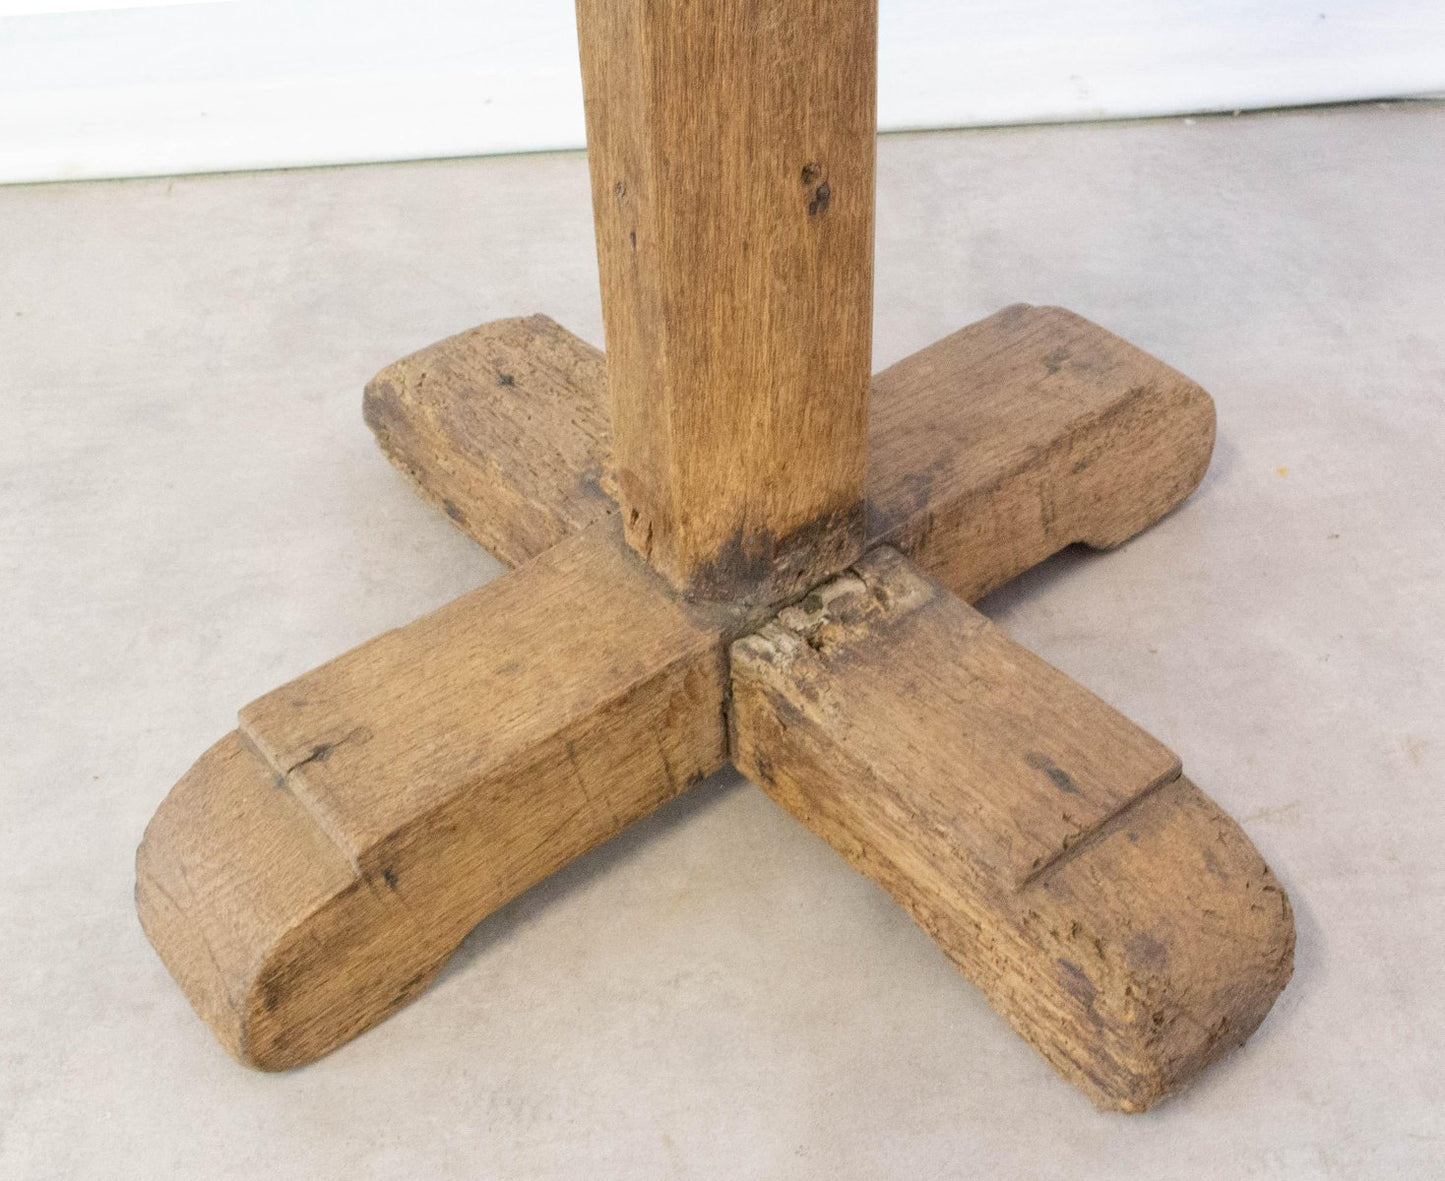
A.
x: 315, y: 868
x: 758, y: 598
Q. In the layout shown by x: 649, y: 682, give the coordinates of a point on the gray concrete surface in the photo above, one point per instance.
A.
x: 191, y: 512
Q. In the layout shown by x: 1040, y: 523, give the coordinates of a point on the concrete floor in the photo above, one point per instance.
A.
x: 193, y: 512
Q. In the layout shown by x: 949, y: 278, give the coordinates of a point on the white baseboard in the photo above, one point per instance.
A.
x: 241, y: 84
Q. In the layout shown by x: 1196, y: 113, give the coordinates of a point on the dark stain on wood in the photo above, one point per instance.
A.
x: 760, y: 569
x: 1056, y: 774
x: 1076, y: 983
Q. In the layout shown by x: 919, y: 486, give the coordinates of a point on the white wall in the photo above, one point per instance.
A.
x: 202, y: 85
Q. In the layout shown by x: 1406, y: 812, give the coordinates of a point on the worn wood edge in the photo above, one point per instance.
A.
x: 1025, y: 433
x: 289, y: 939
x: 522, y: 529
x: 990, y: 450
x: 505, y: 429
x: 1154, y: 943
x: 214, y: 938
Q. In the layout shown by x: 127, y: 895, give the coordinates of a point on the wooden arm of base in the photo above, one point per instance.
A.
x: 505, y: 429
x: 1120, y: 921
x: 314, y: 870
x: 987, y: 451
x: 1022, y: 434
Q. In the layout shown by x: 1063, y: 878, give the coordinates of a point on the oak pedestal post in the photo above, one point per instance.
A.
x: 731, y: 149
x: 729, y: 543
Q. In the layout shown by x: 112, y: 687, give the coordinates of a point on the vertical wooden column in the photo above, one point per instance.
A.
x: 731, y: 147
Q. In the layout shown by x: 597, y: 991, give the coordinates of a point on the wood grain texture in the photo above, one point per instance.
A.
x: 731, y: 145
x: 1120, y: 921
x: 403, y: 762
x: 313, y: 871
x: 1024, y: 433
x: 504, y: 428
x: 987, y: 451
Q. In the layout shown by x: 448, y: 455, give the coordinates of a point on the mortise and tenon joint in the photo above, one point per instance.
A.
x: 729, y: 543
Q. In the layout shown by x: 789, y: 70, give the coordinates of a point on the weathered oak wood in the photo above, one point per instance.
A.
x: 316, y: 867
x: 731, y: 150
x: 504, y: 428
x: 313, y: 871
x: 1024, y: 433
x: 406, y: 759
x: 987, y: 451
x: 1120, y: 921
